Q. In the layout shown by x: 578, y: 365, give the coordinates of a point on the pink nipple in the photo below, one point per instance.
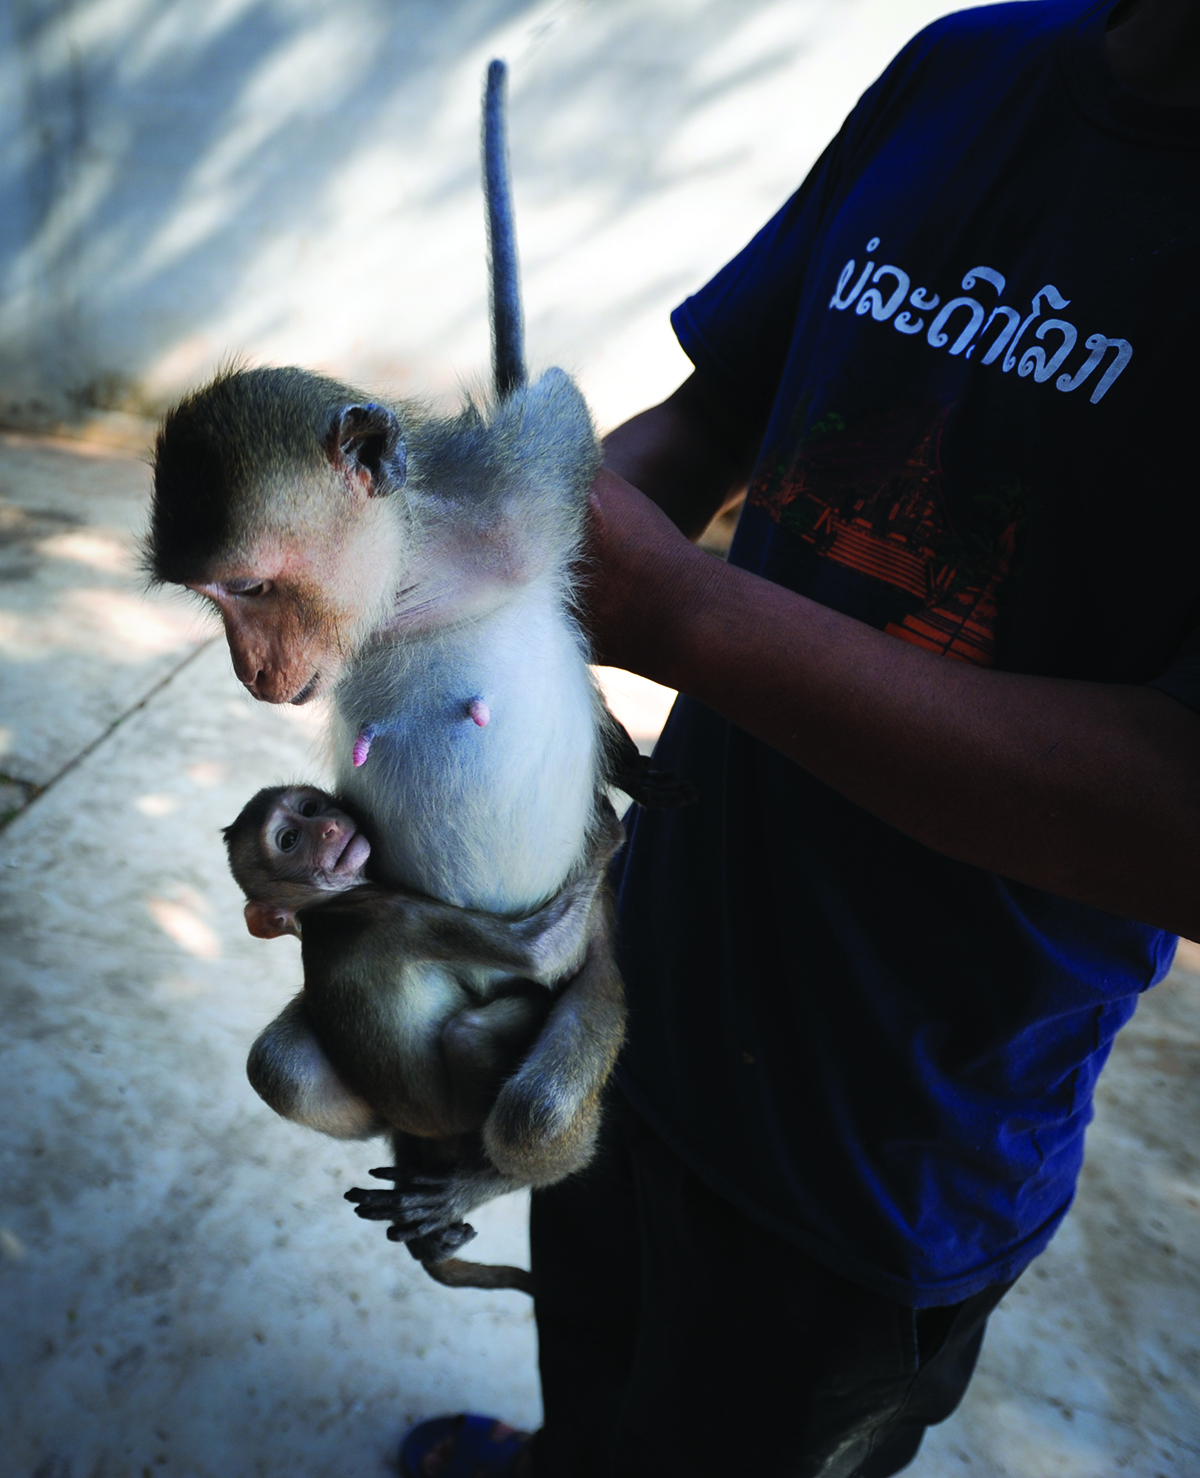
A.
x: 362, y: 746
x: 480, y: 712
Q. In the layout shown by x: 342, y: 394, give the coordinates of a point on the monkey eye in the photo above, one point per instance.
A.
x: 248, y: 588
x: 287, y: 839
x: 309, y: 807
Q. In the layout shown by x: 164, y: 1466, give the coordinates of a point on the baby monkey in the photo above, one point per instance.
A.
x: 401, y: 1026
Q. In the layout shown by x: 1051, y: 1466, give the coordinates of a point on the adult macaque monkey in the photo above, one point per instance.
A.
x: 419, y: 570
x: 390, y: 1031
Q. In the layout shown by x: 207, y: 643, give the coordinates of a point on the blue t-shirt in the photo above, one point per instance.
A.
x: 970, y: 339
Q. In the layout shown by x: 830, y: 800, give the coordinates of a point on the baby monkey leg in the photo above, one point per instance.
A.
x: 483, y: 1045
x: 545, y: 1118
x: 544, y: 1122
x: 289, y: 1069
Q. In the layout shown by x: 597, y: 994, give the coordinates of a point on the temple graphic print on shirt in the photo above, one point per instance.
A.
x: 869, y: 503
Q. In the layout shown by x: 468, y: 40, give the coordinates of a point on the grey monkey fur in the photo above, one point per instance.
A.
x: 463, y: 595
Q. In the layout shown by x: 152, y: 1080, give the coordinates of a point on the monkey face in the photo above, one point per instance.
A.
x: 295, y: 611
x: 307, y: 839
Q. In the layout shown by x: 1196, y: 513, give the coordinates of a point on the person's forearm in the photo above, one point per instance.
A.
x: 687, y: 454
x: 1087, y: 790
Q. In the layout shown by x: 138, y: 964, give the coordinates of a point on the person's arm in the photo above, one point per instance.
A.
x: 1088, y: 790
x: 692, y: 455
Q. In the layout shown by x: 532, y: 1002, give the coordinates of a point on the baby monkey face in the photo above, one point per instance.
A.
x: 307, y: 839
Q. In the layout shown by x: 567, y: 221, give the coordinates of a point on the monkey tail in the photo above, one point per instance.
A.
x: 455, y: 1272
x: 504, y: 280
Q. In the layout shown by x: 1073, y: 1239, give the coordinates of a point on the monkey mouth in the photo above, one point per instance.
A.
x: 307, y: 691
x: 353, y: 855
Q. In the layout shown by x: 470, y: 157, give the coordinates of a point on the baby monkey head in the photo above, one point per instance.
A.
x: 291, y: 846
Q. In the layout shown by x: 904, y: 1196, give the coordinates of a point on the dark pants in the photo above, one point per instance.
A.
x: 677, y: 1337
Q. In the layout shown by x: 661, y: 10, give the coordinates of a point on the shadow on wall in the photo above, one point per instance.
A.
x: 183, y: 178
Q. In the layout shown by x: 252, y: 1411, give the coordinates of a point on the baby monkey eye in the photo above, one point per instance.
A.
x: 309, y: 807
x: 286, y: 840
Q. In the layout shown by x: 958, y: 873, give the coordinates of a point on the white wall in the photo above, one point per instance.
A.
x: 297, y: 180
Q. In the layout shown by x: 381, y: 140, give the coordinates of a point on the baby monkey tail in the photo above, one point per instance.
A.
x: 433, y: 1251
x: 455, y: 1272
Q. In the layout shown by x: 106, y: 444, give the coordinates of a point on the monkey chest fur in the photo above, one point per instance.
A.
x: 488, y: 815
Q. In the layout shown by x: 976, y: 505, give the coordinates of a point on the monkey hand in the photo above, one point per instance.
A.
x: 438, y: 1246
x: 421, y: 1204
x: 642, y: 577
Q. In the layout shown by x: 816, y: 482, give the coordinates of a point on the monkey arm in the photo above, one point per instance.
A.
x: 545, y: 1119
x: 1088, y: 790
x: 544, y: 946
x: 288, y: 1069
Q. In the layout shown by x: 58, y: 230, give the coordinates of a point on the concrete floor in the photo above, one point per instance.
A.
x: 184, y: 1291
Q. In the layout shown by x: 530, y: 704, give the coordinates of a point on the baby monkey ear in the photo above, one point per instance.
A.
x: 369, y: 437
x: 265, y: 922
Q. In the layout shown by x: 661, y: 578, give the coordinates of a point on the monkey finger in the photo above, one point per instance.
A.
x: 424, y: 1181
x: 406, y: 1213
x: 428, y: 1235
x: 405, y: 1229
x: 375, y: 1212
x: 375, y: 1203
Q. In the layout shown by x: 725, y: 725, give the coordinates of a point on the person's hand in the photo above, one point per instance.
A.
x: 639, y: 578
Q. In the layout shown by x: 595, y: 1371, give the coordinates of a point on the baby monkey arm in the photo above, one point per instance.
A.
x: 543, y: 946
x: 546, y: 946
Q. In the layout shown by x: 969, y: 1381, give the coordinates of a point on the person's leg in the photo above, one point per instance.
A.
x: 586, y: 1271
x: 678, y: 1337
x: 752, y: 1357
x: 948, y: 1343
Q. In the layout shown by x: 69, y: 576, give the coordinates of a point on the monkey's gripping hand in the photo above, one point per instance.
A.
x: 426, y: 1208
x: 631, y: 771
x: 438, y: 1246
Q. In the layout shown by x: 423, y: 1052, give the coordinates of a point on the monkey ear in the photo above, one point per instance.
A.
x: 369, y: 436
x: 265, y: 922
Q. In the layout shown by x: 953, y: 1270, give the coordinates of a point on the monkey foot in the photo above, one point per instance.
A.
x: 417, y: 1206
x: 436, y: 1246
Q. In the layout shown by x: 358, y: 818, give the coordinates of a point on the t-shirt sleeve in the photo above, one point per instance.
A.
x: 736, y: 330
x: 1181, y: 680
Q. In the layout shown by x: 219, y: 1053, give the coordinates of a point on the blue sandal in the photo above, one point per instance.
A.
x: 477, y: 1447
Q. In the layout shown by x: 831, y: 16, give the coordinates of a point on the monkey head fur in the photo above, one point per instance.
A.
x: 292, y: 846
x: 315, y: 519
